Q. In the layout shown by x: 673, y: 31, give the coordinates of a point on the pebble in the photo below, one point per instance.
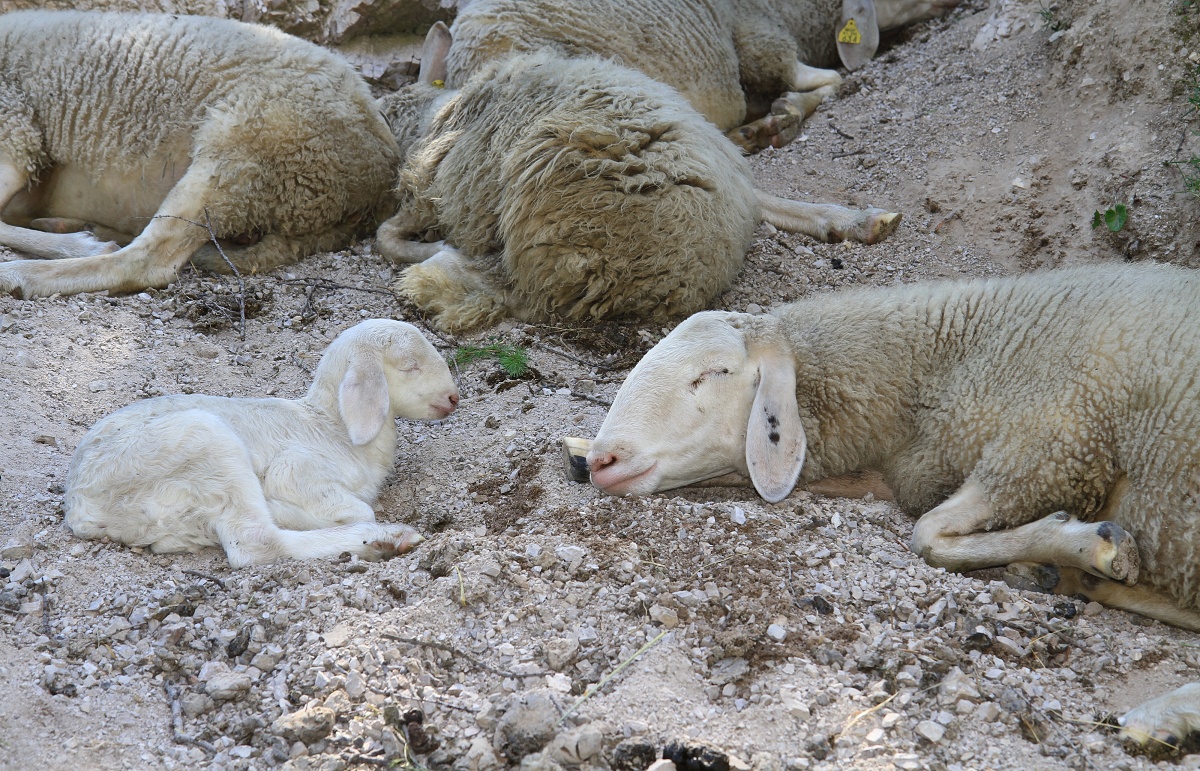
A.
x: 776, y: 632
x: 907, y: 762
x: 96, y: 386
x: 667, y: 617
x: 527, y: 725
x: 931, y: 731
x: 228, y: 685
x: 561, y: 652
x: 738, y: 516
x: 309, y: 724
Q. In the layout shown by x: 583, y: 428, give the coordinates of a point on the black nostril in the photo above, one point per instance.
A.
x: 454, y: 399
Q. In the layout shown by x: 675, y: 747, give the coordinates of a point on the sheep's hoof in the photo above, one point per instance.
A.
x: 1116, y: 555
x: 386, y: 548
x: 1032, y: 577
x: 881, y: 225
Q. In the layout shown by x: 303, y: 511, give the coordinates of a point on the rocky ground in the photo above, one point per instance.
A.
x: 544, y: 624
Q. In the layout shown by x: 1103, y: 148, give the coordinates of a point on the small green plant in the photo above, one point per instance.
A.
x: 1113, y: 217
x: 1051, y: 20
x: 512, y: 359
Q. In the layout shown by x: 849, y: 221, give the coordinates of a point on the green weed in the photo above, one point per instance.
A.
x: 1113, y: 217
x: 513, y: 359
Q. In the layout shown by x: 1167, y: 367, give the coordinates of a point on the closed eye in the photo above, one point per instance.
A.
x: 715, y: 372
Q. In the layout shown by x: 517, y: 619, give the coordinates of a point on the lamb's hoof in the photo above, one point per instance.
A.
x: 1116, y: 554
x: 1032, y: 577
x: 880, y: 225
x: 402, y: 543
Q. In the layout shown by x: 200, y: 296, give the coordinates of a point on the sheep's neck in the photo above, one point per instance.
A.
x: 860, y: 366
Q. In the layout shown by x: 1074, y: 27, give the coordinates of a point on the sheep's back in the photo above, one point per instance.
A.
x: 590, y: 190
x: 1067, y: 390
x: 687, y: 44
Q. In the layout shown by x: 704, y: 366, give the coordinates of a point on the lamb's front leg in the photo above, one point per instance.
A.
x: 953, y: 536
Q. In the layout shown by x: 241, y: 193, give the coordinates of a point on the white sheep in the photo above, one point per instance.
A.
x: 266, y: 479
x: 145, y: 124
x: 727, y: 57
x: 1048, y: 418
x: 576, y: 188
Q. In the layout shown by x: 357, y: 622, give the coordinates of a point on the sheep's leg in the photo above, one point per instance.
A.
x: 828, y: 222
x: 326, y: 508
x: 950, y: 536
x: 783, y: 123
x: 248, y: 543
x: 449, y: 286
x: 890, y: 14
x: 1070, y: 581
x: 13, y: 180
x: 394, y: 239
x: 1166, y: 720
x: 151, y: 260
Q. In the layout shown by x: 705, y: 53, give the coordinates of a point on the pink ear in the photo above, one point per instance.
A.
x: 433, y: 55
x: 364, y: 401
x: 775, y: 441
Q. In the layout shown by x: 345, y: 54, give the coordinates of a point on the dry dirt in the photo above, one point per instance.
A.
x: 996, y: 138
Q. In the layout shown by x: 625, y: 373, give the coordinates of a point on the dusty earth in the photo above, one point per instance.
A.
x: 797, y: 635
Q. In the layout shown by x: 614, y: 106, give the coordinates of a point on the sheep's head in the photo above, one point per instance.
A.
x: 715, y: 396
x: 388, y: 369
x: 410, y: 110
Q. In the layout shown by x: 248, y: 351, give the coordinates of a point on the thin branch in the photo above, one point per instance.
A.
x: 198, y: 574
x: 461, y: 654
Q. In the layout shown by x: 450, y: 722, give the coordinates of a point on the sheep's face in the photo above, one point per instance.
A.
x: 390, y: 370
x: 716, y: 395
x: 420, y: 386
x: 681, y: 415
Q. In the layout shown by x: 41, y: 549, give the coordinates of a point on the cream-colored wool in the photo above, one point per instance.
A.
x: 715, y: 52
x: 1051, y: 418
x: 114, y: 119
x: 576, y: 188
x: 1050, y: 391
x: 266, y: 479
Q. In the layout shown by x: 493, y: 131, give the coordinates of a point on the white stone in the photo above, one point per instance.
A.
x: 776, y: 632
x: 931, y: 731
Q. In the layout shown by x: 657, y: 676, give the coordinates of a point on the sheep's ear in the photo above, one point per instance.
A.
x: 364, y: 401
x: 433, y: 55
x: 775, y: 441
x: 857, y: 33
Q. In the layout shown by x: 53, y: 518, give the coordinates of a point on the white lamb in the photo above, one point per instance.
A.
x: 575, y: 188
x: 266, y: 479
x: 156, y: 126
x: 727, y: 57
x: 1048, y: 418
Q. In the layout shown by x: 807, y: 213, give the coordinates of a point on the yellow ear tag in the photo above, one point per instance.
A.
x: 442, y: 83
x: 850, y: 34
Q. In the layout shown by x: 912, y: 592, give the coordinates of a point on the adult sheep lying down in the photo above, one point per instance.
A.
x: 155, y: 126
x: 574, y: 188
x: 1050, y: 418
x: 729, y: 58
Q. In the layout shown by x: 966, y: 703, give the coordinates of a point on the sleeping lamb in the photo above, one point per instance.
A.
x: 164, y: 126
x: 576, y: 188
x: 1051, y: 418
x: 266, y: 479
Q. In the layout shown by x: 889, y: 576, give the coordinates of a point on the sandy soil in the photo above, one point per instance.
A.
x: 995, y: 135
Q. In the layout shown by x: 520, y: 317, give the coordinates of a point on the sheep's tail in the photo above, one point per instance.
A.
x: 827, y: 221
x: 272, y: 250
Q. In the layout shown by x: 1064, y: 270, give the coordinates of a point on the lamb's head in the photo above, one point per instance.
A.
x: 717, y: 395
x: 382, y: 369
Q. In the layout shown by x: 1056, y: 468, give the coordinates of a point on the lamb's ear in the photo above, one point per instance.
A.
x: 858, y: 33
x: 364, y: 401
x: 433, y: 55
x: 775, y: 441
